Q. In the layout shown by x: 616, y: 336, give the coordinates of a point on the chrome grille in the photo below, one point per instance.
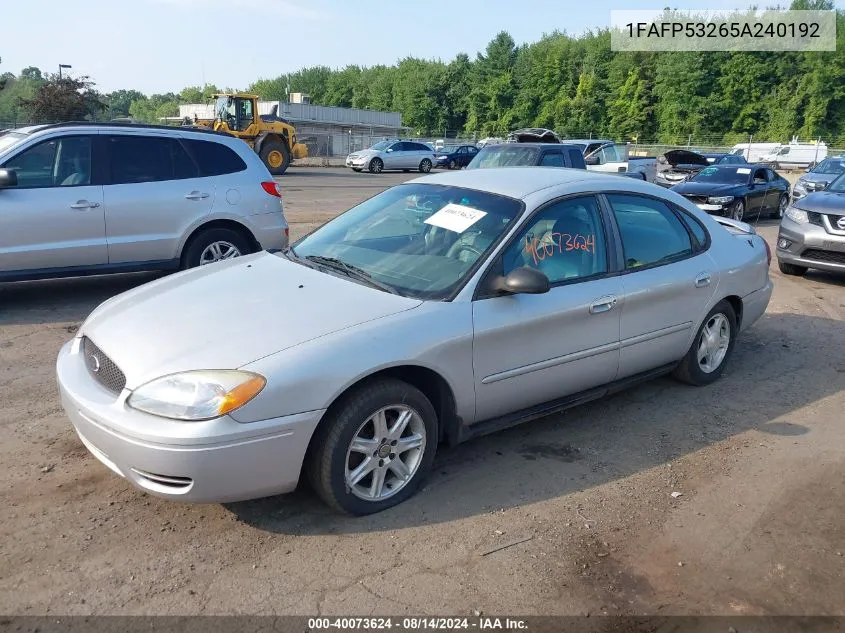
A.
x: 101, y: 367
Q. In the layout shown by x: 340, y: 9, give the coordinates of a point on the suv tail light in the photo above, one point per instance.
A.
x: 272, y: 188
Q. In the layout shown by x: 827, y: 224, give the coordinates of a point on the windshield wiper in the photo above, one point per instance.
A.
x: 351, y: 271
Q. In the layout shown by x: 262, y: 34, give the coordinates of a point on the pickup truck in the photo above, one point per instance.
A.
x: 611, y: 157
x: 599, y: 154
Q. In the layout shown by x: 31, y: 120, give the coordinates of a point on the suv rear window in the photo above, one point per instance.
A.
x: 215, y: 159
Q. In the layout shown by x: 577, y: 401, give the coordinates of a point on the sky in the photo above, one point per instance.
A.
x: 165, y: 45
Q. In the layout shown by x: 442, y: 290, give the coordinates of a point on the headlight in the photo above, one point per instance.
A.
x: 800, y: 189
x: 197, y: 395
x: 799, y: 216
x: 720, y: 199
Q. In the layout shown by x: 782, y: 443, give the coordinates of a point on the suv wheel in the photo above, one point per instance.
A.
x: 791, y: 269
x: 214, y: 245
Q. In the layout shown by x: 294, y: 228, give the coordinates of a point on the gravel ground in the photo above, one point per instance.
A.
x: 759, y: 460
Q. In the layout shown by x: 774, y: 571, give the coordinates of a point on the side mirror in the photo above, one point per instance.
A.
x: 8, y: 178
x: 523, y: 281
x: 389, y: 149
x: 592, y: 160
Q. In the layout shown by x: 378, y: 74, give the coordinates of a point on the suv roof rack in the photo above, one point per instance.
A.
x: 134, y: 126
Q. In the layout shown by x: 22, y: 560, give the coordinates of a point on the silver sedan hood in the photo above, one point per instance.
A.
x: 229, y: 314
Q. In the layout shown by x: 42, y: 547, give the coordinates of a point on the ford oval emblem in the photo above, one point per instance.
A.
x: 841, y: 223
x: 94, y: 363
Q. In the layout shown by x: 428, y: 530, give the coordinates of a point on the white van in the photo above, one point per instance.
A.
x: 795, y: 154
x: 753, y: 152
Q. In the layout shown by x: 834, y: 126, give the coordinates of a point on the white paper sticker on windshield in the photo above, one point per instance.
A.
x: 743, y: 170
x: 456, y: 217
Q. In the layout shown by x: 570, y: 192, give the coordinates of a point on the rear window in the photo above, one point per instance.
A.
x: 509, y: 155
x: 215, y: 159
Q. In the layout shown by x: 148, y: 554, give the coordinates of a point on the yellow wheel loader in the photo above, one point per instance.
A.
x: 272, y: 137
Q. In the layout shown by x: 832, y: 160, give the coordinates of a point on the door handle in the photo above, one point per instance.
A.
x: 703, y: 280
x: 605, y: 304
x: 196, y: 195
x: 84, y: 204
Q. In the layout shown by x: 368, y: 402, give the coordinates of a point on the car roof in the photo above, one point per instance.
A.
x: 517, y: 182
x: 549, y: 145
x: 586, y: 141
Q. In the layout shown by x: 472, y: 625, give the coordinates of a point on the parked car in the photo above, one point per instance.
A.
x: 819, y: 177
x: 83, y: 198
x: 394, y: 155
x: 679, y: 165
x: 528, y: 155
x: 455, y: 156
x: 737, y: 192
x: 490, y: 140
x: 812, y: 232
x: 432, y: 312
x: 795, y: 155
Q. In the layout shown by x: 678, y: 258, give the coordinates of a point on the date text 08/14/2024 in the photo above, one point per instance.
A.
x: 417, y: 624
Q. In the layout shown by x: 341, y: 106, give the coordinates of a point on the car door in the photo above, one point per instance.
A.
x: 530, y: 349
x: 667, y: 284
x: 775, y: 190
x: 54, y: 217
x: 154, y: 192
x: 470, y: 154
x: 758, y: 190
x: 394, y: 156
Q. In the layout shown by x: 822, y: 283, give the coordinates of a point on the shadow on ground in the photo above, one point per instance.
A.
x: 784, y: 363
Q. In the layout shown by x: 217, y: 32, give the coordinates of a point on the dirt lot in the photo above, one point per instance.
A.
x: 759, y: 459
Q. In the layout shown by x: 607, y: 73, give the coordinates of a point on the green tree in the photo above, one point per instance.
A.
x: 65, y: 99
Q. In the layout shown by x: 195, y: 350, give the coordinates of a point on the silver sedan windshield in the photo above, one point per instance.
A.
x: 421, y: 240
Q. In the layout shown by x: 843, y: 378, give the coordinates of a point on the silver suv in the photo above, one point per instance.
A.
x: 812, y: 232
x: 404, y: 155
x: 84, y: 198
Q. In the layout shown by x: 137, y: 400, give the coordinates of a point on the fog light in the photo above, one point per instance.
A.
x: 784, y: 243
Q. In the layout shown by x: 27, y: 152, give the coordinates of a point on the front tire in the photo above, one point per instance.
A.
x: 374, y: 448
x: 711, y: 349
x: 276, y: 156
x: 781, y: 209
x: 213, y: 245
x: 738, y: 210
x: 791, y: 269
x: 453, y: 164
x: 376, y: 166
x: 425, y: 166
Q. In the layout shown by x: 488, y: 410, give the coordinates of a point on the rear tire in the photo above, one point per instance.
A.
x: 276, y: 156
x: 711, y: 349
x: 336, y: 452
x: 425, y: 166
x: 213, y: 245
x: 791, y: 269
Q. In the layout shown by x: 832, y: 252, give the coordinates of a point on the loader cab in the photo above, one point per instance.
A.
x: 238, y: 113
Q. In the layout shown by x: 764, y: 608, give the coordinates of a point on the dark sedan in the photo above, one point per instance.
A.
x: 737, y: 192
x: 680, y: 165
x: 455, y: 156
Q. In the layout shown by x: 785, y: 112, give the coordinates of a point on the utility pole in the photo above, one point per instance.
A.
x: 60, y: 69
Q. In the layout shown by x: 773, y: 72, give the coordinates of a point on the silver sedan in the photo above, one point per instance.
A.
x: 439, y: 310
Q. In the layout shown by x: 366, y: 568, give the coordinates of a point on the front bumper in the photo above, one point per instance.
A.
x: 358, y: 163
x: 811, y: 246
x: 218, y: 460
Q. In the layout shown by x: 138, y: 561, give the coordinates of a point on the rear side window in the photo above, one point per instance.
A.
x: 576, y: 159
x: 215, y: 159
x: 417, y: 147
x: 135, y: 159
x: 552, y: 159
x: 696, y: 229
x: 651, y: 232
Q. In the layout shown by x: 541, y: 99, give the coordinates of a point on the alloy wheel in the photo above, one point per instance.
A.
x: 218, y: 251
x: 714, y: 342
x: 385, y: 453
